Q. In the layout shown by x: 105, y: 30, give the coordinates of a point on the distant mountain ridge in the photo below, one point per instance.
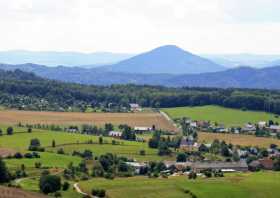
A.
x: 237, y: 60
x: 52, y: 58
x: 242, y: 77
x: 168, y: 59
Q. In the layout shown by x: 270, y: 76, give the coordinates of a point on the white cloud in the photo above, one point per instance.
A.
x: 201, y: 26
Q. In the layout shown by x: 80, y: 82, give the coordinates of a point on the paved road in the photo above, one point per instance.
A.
x: 78, y: 190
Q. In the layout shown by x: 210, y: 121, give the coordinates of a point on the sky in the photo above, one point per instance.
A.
x: 132, y: 26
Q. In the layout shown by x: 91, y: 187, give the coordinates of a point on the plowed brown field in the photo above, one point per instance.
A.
x: 67, y: 118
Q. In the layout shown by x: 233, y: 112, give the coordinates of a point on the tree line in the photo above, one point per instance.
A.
x: 23, y: 90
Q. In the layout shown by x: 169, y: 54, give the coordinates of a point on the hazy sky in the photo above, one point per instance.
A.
x: 200, y: 26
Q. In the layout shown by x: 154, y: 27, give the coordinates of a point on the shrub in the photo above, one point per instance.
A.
x: 60, y: 151
x: 36, y: 155
x: 28, y: 155
x: 142, y: 152
x: 57, y: 194
x: 18, y: 155
x: 49, y: 183
x: 38, y: 164
x: 181, y: 157
x: 192, y: 175
x: 98, y: 192
x: 109, y: 176
x: 10, y: 131
x: 65, y: 186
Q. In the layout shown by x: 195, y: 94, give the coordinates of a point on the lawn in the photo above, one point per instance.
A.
x: 226, y: 116
x: 242, y: 185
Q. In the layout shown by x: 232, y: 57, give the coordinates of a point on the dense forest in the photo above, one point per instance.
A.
x: 23, y: 90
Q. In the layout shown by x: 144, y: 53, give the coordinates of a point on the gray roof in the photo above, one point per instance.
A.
x: 220, y: 165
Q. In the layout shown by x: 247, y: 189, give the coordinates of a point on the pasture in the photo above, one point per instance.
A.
x: 146, y: 119
x: 127, y: 149
x: 70, y: 142
x: 238, y: 139
x: 237, y: 185
x: 228, y: 117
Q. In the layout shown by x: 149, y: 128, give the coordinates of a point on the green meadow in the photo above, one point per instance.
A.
x: 20, y: 141
x: 227, y: 116
x: 238, y: 185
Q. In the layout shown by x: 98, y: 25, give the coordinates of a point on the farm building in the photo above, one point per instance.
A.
x: 142, y: 129
x: 186, y: 143
x: 249, y: 128
x: 135, y: 107
x: 262, y: 124
x: 224, y: 166
x: 137, y: 166
x: 274, y: 128
x: 115, y: 134
x: 266, y: 163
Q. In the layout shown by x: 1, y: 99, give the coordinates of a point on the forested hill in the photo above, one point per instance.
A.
x: 242, y: 77
x: 23, y: 90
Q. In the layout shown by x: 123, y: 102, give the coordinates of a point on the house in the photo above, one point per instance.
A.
x: 187, y: 143
x: 266, y: 163
x: 193, y: 124
x: 254, y: 165
x: 274, y: 128
x: 135, y: 107
x: 115, y: 134
x: 249, y: 128
x: 137, y: 166
x: 224, y: 166
x: 262, y: 124
x: 180, y: 166
x: 142, y: 129
x: 203, y: 124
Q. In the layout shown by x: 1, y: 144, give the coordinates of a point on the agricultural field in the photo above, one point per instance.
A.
x: 228, y: 117
x: 146, y: 119
x: 238, y: 139
x: 237, y: 185
x: 6, y: 192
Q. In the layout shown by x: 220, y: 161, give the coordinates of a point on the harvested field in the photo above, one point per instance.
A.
x: 236, y: 139
x: 67, y: 118
x: 5, y: 152
x: 6, y: 192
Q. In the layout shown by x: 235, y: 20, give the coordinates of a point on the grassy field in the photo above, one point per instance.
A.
x: 146, y: 119
x: 46, y: 159
x: 245, y: 185
x: 227, y: 116
x: 128, y: 149
x: 32, y: 185
x: 21, y: 141
x: 236, y: 139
